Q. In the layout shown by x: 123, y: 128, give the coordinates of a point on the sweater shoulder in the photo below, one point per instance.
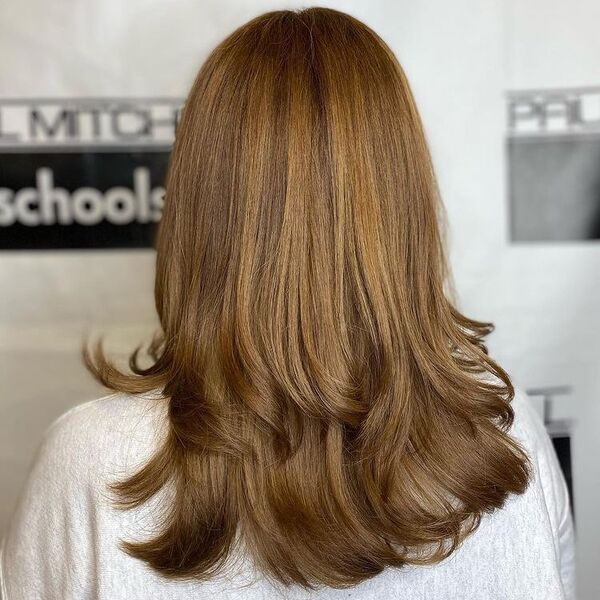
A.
x: 104, y: 435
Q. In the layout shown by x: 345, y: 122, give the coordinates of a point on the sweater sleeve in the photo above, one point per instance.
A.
x: 556, y: 498
x: 47, y: 552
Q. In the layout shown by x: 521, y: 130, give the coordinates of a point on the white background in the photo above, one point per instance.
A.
x: 460, y: 58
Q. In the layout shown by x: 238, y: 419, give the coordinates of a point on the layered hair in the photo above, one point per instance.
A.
x: 327, y: 401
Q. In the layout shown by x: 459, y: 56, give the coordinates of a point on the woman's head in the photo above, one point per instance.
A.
x: 326, y: 398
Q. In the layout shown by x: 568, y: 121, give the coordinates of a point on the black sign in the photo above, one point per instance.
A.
x: 553, y: 159
x: 83, y: 173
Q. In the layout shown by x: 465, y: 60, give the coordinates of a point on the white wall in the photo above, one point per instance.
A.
x: 460, y: 58
x: 549, y: 330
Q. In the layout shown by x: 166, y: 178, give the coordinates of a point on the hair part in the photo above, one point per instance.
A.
x: 326, y: 400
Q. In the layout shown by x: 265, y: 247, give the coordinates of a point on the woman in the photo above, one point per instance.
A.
x: 318, y: 420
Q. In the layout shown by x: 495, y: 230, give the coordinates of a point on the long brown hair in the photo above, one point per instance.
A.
x: 326, y: 399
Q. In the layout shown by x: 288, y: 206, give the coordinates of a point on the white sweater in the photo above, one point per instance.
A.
x: 62, y: 541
